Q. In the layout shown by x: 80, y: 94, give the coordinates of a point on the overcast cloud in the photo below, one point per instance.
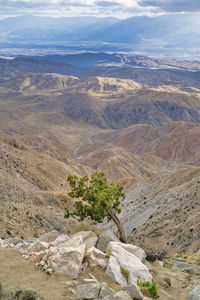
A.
x: 117, y: 8
x: 173, y: 5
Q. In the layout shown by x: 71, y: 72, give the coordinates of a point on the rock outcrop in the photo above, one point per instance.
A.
x: 67, y: 257
x: 96, y: 258
x: 195, y: 293
x: 89, y: 238
x: 124, y: 267
x: 62, y: 254
x: 88, y: 291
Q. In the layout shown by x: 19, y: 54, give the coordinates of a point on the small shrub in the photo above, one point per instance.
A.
x: 149, y: 289
x: 168, y: 264
x: 125, y: 273
x: 108, y: 253
x: 155, y: 251
x: 177, y: 255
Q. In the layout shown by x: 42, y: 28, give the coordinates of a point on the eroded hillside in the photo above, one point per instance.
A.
x: 145, y: 137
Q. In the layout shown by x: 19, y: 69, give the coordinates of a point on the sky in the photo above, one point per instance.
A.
x: 101, y: 8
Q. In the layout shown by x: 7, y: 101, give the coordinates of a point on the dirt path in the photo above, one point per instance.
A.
x: 16, y: 272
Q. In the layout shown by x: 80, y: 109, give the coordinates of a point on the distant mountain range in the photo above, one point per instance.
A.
x: 152, y: 34
x: 142, y: 69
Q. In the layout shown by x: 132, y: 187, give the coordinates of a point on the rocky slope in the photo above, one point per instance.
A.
x: 102, y: 102
x: 53, y: 125
x: 91, y: 273
x: 33, y: 174
x: 175, y: 141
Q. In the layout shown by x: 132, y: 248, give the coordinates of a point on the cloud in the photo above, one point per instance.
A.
x: 116, y: 8
x: 108, y: 3
x: 173, y: 5
x: 58, y: 8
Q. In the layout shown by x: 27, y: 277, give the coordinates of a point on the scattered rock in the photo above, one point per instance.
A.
x: 14, y: 241
x: 38, y: 256
x: 164, y: 295
x: 195, y: 293
x: 106, y: 291
x: 49, y: 237
x: 68, y: 257
x: 134, y: 291
x: 113, y: 272
x: 158, y: 263
x: 135, y: 250
x: 49, y: 271
x: 89, y: 238
x: 37, y: 247
x: 3, y: 243
x: 122, y: 296
x: 96, y: 258
x: 105, y: 238
x: 16, y: 294
x: 120, y: 258
x: 59, y: 240
x: 88, y: 291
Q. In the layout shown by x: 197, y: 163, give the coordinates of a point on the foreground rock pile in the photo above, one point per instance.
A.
x: 92, y: 289
x: 83, y: 258
x: 55, y: 252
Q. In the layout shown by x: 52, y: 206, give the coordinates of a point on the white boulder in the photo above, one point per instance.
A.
x: 122, y: 296
x: 89, y: 238
x: 59, y: 240
x: 122, y: 259
x: 3, y: 244
x: 113, y: 272
x: 137, y: 251
x: 49, y: 237
x: 106, y: 291
x: 38, y: 256
x: 67, y: 258
x: 195, y: 293
x: 88, y: 291
x: 134, y: 291
x: 37, y: 247
x: 96, y: 258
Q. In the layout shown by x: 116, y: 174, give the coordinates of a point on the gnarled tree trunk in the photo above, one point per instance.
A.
x: 123, y: 237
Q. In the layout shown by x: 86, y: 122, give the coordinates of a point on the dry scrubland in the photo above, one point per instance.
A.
x: 145, y: 138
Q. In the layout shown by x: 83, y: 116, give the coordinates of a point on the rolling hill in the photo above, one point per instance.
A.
x: 145, y: 137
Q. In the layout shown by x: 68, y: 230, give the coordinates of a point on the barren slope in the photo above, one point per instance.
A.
x: 51, y: 126
x: 102, y: 102
x: 178, y: 141
x: 164, y: 210
x: 33, y: 180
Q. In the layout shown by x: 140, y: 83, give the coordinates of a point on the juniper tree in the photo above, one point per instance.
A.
x: 96, y: 199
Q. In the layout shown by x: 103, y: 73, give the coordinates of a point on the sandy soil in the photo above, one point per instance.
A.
x: 16, y: 272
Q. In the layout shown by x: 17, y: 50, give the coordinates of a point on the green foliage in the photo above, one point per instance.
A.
x: 96, y: 198
x: 169, y: 264
x: 177, y: 255
x: 125, y: 273
x: 108, y: 253
x: 149, y: 289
